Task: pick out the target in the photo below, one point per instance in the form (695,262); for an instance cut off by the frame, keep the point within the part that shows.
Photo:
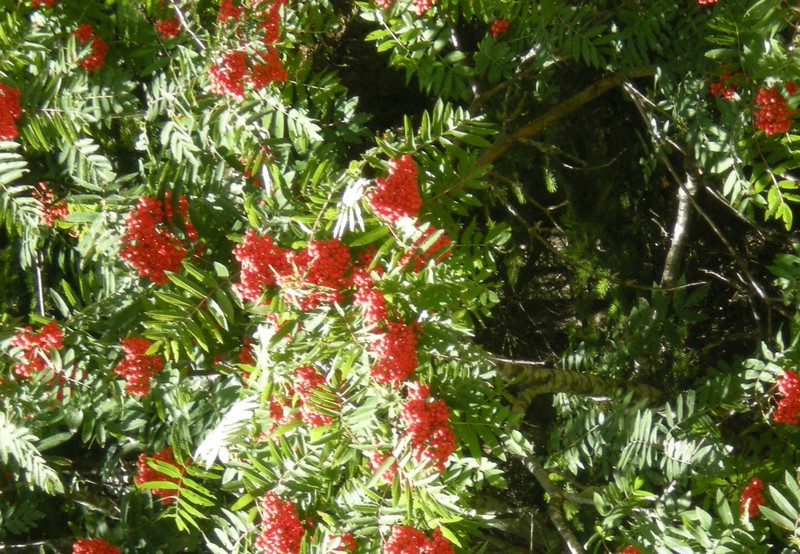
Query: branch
(535,380)
(484,96)
(562,110)
(755,287)
(680,233)
(186,27)
(554,505)
(52,545)
(38,282)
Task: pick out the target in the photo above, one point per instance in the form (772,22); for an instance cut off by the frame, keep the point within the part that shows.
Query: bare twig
(185,25)
(587,269)
(680,233)
(751,282)
(554,504)
(483,97)
(557,113)
(686,192)
(38,282)
(51,545)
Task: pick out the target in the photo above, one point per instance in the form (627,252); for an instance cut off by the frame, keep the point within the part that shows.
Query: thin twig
(557,113)
(476,103)
(589,270)
(754,286)
(185,25)
(38,282)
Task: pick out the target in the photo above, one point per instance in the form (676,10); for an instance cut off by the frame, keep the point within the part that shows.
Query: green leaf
(778,519)
(166,485)
(163,467)
(788,509)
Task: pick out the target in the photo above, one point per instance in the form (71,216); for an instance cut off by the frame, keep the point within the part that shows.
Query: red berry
(751,498)
(405,539)
(33,347)
(94,546)
(397,195)
(788,407)
(262,262)
(281,530)
(10,111)
(147,474)
(138,367)
(148,245)
(499,26)
(773,115)
(428,426)
(97,57)
(396,354)
(169,27)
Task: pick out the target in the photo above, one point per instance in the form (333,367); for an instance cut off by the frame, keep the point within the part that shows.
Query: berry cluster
(97,57)
(267,69)
(397,195)
(147,474)
(405,539)
(318,274)
(307,278)
(10,112)
(373,302)
(791,88)
(309,380)
(773,115)
(706,2)
(148,245)
(384,4)
(40,3)
(269,20)
(51,209)
(499,26)
(281,530)
(789,406)
(282,412)
(423,6)
(395,353)
(376,459)
(228,11)
(262,261)
(630,550)
(246,353)
(138,367)
(428,425)
(33,346)
(367,295)
(94,546)
(347,543)
(169,27)
(724,87)
(418,255)
(751,498)
(230,74)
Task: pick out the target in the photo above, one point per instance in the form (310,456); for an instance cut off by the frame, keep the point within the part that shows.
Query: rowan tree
(399,276)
